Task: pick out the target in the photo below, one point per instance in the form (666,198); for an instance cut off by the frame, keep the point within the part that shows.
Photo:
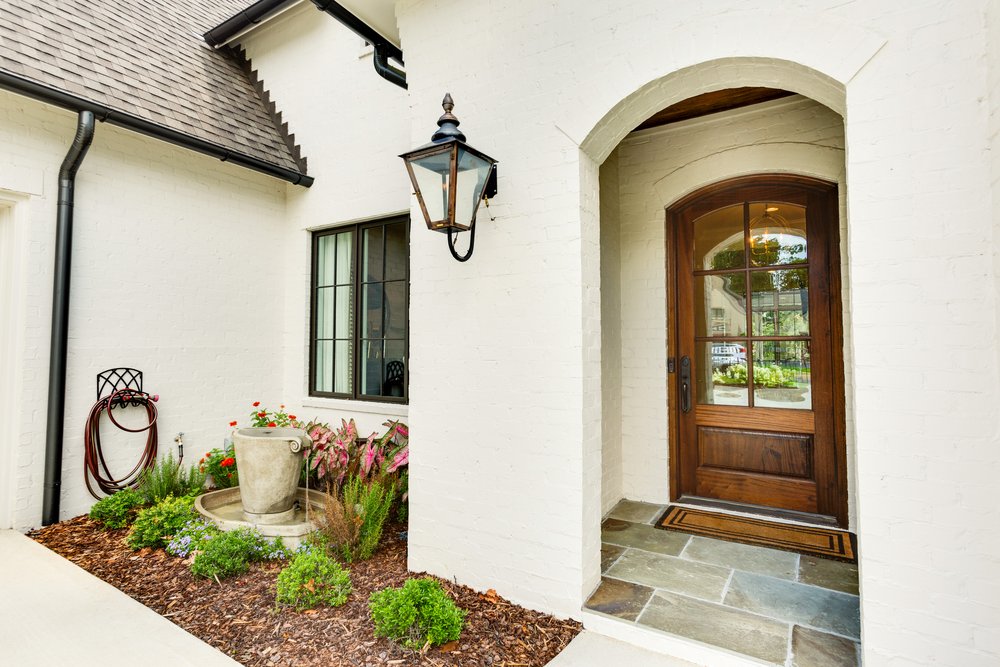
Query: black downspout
(384,49)
(387,71)
(60,316)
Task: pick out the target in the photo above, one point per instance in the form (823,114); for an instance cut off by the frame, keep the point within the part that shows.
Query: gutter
(60,316)
(263,9)
(59,98)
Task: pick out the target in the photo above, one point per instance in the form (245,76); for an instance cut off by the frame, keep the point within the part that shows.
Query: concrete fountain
(268,497)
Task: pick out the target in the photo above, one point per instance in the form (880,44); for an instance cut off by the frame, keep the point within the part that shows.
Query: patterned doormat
(825,542)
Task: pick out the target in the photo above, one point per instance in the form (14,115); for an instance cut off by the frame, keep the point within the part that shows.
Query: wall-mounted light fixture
(451,179)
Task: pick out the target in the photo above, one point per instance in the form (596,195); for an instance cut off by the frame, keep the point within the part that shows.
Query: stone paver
(750,634)
(639,536)
(796,603)
(631,510)
(609,554)
(746,557)
(673,574)
(619,598)
(812,648)
(836,575)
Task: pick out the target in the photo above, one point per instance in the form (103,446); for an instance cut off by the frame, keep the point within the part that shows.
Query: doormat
(825,542)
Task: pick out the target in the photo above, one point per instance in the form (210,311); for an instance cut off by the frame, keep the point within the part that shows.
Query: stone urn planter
(270,463)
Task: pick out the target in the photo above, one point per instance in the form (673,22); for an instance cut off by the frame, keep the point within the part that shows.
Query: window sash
(366,346)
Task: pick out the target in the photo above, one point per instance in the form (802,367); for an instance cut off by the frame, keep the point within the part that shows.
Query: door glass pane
(720,369)
(781,374)
(371,367)
(720,305)
(345,301)
(395,251)
(372,254)
(345,257)
(324,312)
(780,302)
(777,234)
(718,239)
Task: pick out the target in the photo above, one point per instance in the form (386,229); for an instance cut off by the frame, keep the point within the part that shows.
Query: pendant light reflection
(766,230)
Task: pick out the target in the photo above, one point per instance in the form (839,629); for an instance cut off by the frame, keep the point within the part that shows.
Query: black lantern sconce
(451,179)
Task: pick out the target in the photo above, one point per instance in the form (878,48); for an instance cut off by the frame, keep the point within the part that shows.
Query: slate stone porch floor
(780,607)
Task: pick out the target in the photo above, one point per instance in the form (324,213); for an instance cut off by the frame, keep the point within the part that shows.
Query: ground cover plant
(417,614)
(238,615)
(230,553)
(311,579)
(118,509)
(154,526)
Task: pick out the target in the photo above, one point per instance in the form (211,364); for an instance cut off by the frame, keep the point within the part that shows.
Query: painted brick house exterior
(537,372)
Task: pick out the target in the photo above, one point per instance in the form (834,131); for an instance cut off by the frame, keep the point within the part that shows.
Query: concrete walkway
(55,613)
(590,649)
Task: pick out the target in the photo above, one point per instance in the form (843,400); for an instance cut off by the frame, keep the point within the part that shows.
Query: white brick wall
(352,125)
(172,273)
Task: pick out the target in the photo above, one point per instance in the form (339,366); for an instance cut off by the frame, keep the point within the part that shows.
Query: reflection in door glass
(782,374)
(780,302)
(777,234)
(721,373)
(718,240)
(720,305)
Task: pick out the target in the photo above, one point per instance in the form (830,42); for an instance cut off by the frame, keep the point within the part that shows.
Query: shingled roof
(148,59)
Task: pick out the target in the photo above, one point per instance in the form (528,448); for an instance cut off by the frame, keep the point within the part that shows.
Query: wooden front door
(756,344)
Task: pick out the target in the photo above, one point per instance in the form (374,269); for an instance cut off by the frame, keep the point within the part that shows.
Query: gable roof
(148,60)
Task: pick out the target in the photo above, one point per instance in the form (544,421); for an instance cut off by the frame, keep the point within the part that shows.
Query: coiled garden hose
(94,465)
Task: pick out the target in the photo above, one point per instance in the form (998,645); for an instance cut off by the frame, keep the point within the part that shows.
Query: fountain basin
(225,509)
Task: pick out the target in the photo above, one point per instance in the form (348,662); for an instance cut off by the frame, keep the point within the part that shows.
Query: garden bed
(238,616)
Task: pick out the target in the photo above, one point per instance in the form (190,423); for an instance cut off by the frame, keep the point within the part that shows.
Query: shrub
(221,465)
(354,524)
(167,478)
(232,552)
(192,537)
(313,578)
(156,524)
(417,614)
(117,510)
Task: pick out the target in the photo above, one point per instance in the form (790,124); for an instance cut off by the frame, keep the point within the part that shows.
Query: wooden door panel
(757,489)
(784,454)
(769,433)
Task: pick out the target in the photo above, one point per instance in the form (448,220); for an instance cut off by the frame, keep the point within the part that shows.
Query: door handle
(685,382)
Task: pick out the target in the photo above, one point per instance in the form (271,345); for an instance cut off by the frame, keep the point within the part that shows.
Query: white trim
(357,407)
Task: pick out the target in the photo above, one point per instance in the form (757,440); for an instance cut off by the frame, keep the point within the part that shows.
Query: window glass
(360,317)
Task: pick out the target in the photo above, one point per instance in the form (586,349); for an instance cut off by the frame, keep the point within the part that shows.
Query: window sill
(357,407)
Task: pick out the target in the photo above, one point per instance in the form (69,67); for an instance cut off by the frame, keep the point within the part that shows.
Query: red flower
(292,417)
(256,403)
(261,414)
(271,424)
(232,423)
(225,463)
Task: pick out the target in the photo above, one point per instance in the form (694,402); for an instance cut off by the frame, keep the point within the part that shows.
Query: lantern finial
(448,123)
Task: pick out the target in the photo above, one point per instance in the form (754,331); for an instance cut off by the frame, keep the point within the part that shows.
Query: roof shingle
(148,59)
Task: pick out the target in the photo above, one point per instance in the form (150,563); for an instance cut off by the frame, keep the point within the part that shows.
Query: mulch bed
(239,616)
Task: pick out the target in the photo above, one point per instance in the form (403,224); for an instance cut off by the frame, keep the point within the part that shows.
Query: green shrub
(193,537)
(232,552)
(167,478)
(370,504)
(417,614)
(221,465)
(117,510)
(156,524)
(313,578)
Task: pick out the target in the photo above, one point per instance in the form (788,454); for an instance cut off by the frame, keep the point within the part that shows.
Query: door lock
(685,383)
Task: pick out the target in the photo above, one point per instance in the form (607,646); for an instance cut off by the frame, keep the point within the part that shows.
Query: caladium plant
(339,454)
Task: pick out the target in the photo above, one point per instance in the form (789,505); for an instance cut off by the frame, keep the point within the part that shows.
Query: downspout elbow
(385,69)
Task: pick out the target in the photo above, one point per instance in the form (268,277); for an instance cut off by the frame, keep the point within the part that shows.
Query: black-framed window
(360,311)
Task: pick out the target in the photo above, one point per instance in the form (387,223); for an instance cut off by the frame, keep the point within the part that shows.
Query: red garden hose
(93,455)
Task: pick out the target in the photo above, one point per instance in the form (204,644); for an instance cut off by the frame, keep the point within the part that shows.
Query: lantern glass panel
(431,174)
(473,171)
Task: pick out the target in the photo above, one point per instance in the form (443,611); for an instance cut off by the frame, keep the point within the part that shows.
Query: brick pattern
(147,59)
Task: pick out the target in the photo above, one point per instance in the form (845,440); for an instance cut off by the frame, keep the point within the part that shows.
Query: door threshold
(758,511)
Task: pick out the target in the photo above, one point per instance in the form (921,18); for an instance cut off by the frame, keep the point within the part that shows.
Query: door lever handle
(685,384)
